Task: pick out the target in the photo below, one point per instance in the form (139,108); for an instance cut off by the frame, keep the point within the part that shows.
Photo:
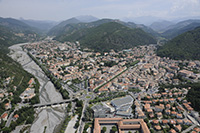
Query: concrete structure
(119,103)
(122,124)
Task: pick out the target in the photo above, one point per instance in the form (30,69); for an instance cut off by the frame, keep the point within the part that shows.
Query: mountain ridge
(107,36)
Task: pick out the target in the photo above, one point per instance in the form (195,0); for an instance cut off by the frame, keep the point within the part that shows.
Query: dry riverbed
(48,118)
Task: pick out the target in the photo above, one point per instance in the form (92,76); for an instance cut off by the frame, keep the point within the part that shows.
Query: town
(125,84)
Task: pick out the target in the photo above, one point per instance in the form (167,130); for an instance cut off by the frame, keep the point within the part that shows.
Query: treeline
(56,83)
(79,108)
(67,118)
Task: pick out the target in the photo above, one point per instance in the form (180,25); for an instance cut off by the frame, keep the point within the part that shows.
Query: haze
(117,9)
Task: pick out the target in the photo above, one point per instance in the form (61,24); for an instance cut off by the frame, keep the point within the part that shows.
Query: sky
(58,10)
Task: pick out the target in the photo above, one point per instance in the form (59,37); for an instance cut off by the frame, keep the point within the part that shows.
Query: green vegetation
(26,115)
(194,96)
(12,32)
(184,46)
(88,114)
(104,129)
(109,97)
(114,129)
(67,119)
(10,68)
(108,36)
(87,125)
(181,28)
(134,90)
(79,108)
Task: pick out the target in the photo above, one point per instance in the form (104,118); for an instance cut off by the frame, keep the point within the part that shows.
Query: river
(48,118)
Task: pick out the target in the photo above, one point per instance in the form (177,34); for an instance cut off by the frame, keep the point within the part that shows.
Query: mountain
(72,27)
(160,25)
(43,26)
(146,20)
(179,28)
(56,29)
(13,31)
(143,27)
(184,46)
(107,36)
(86,18)
(16,25)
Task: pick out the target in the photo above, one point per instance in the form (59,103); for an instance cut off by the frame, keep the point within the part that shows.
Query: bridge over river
(53,103)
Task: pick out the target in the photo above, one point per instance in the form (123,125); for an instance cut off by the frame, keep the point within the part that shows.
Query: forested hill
(13,31)
(184,46)
(72,25)
(109,36)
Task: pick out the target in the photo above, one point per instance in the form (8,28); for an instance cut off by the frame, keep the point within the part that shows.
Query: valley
(95,75)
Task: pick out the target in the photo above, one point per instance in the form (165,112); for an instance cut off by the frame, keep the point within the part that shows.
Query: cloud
(64,9)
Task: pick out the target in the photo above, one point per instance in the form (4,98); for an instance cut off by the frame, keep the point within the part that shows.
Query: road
(70,126)
(9,119)
(188,129)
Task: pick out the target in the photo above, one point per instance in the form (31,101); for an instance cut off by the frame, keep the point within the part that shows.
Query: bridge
(53,103)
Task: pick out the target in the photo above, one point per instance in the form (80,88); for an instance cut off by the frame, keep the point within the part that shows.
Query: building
(119,103)
(122,124)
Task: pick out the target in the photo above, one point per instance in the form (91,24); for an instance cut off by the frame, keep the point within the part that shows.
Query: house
(7,106)
(187,122)
(157,127)
(151,115)
(158,108)
(159,114)
(5,116)
(172,131)
(172,100)
(179,116)
(173,122)
(173,113)
(168,106)
(164,122)
(179,121)
(155,122)
(185,73)
(197,129)
(15,117)
(178,128)
(168,112)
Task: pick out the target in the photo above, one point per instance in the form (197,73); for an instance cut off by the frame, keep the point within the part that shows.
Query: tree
(104,129)
(146,120)
(114,129)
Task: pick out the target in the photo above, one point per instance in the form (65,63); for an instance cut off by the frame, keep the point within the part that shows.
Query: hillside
(17,26)
(58,28)
(184,46)
(160,26)
(69,28)
(13,31)
(43,26)
(109,36)
(179,28)
(9,37)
